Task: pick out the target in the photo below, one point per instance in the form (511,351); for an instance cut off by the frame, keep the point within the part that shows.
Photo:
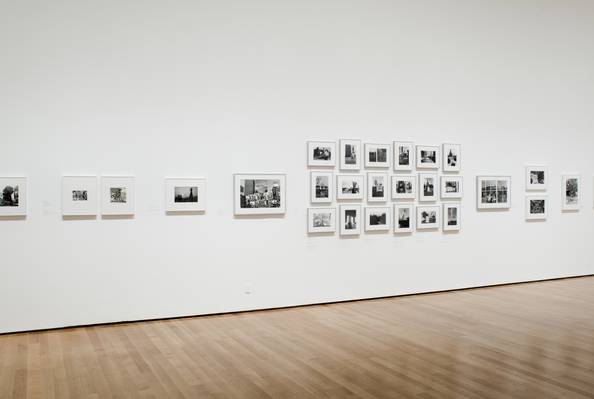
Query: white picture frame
(79,195)
(452,217)
(428,217)
(537,207)
(452,157)
(452,187)
(350,187)
(403,155)
(377,187)
(117,195)
(350,220)
(427,157)
(537,177)
(260,194)
(378,218)
(404,218)
(321,220)
(321,153)
(571,192)
(493,192)
(13,196)
(404,187)
(377,155)
(185,194)
(428,187)
(321,187)
(350,154)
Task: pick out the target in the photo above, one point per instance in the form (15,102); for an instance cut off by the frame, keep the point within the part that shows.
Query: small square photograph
(14,196)
(451,157)
(536,178)
(185,194)
(350,154)
(321,153)
(536,207)
(403,218)
(377,218)
(350,220)
(320,187)
(377,155)
(321,220)
(377,190)
(404,187)
(451,187)
(79,196)
(493,192)
(571,192)
(117,194)
(427,157)
(427,187)
(451,217)
(403,156)
(428,217)
(350,187)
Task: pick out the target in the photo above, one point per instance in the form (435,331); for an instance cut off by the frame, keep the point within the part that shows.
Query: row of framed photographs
(404,154)
(400,218)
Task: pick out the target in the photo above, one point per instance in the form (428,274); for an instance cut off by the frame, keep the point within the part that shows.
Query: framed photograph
(403,218)
(321,153)
(536,178)
(404,187)
(427,157)
(428,187)
(377,187)
(451,187)
(537,207)
(350,220)
(571,192)
(350,187)
(320,187)
(451,154)
(377,218)
(452,217)
(493,192)
(260,194)
(350,154)
(185,194)
(79,195)
(117,195)
(13,201)
(377,155)
(403,155)
(427,217)
(321,220)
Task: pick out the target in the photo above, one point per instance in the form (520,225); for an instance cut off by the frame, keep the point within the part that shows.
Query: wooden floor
(521,341)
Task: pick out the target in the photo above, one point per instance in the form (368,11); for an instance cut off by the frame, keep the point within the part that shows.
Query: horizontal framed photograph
(79,195)
(260,194)
(403,218)
(537,207)
(350,187)
(493,192)
(404,187)
(321,153)
(451,154)
(320,187)
(427,157)
(377,155)
(452,217)
(350,154)
(377,218)
(428,217)
(321,220)
(571,192)
(117,195)
(536,178)
(403,155)
(451,187)
(350,220)
(427,187)
(185,194)
(377,190)
(13,201)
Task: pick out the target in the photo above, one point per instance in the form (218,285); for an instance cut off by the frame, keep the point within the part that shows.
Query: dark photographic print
(404,187)
(493,192)
(377,187)
(350,154)
(377,217)
(350,219)
(403,156)
(537,206)
(322,187)
(428,187)
(427,157)
(186,194)
(428,216)
(118,195)
(404,218)
(452,216)
(322,153)
(256,193)
(377,155)
(572,191)
(13,196)
(452,187)
(537,177)
(451,157)
(10,196)
(80,195)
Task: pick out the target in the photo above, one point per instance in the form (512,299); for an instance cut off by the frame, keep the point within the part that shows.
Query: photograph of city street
(256,193)
(10,196)
(118,195)
(186,194)
(428,157)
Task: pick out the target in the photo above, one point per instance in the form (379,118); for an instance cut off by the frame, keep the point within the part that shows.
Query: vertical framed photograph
(536,178)
(321,153)
(427,187)
(350,187)
(13,201)
(404,187)
(350,220)
(451,187)
(403,155)
(428,217)
(493,192)
(377,218)
(571,192)
(452,217)
(451,155)
(537,207)
(185,194)
(117,195)
(427,157)
(377,155)
(350,154)
(260,194)
(377,190)
(79,195)
(320,187)
(403,218)
(321,220)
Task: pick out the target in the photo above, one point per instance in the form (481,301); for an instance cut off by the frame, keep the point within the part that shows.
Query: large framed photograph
(260,194)
(350,154)
(404,187)
(321,220)
(403,155)
(493,192)
(452,217)
(377,187)
(185,194)
(427,157)
(428,187)
(536,178)
(350,220)
(377,155)
(428,217)
(403,218)
(451,187)
(451,154)
(79,195)
(571,192)
(350,187)
(537,207)
(13,201)
(377,218)
(320,187)
(117,195)
(321,153)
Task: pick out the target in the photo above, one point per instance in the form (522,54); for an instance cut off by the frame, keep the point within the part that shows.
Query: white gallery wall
(211,88)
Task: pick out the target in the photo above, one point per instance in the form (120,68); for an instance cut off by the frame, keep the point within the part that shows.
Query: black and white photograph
(403,218)
(377,218)
(350,154)
(10,196)
(321,220)
(428,217)
(320,187)
(428,187)
(13,196)
(404,187)
(260,194)
(321,153)
(377,190)
(493,192)
(451,217)
(350,187)
(427,157)
(536,207)
(79,196)
(451,155)
(403,155)
(536,178)
(571,192)
(350,220)
(451,187)
(377,155)
(117,194)
(185,194)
